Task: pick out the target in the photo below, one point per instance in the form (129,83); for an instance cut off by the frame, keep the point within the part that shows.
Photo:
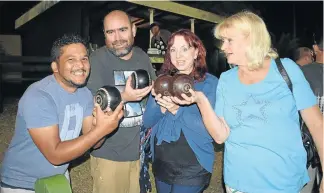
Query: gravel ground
(80,168)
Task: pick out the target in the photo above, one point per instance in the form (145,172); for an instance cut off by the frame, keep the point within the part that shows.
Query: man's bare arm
(48,141)
(88,124)
(58,152)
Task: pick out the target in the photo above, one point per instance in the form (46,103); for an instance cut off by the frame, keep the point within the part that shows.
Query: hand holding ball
(182,83)
(163,85)
(168,85)
(140,79)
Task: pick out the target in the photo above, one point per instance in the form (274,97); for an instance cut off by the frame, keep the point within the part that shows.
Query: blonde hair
(251,26)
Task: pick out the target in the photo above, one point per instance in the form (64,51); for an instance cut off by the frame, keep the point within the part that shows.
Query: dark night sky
(277,15)
(279,18)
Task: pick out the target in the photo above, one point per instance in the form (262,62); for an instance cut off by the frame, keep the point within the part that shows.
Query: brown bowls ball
(168,85)
(181,84)
(163,85)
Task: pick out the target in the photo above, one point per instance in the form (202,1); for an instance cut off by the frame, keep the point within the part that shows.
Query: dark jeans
(162,187)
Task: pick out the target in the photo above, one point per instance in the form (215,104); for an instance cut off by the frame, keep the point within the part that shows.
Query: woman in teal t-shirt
(256,114)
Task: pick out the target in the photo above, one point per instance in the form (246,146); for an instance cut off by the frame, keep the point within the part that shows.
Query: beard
(74,84)
(120,52)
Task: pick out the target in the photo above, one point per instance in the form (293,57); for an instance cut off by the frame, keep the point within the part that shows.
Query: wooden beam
(34,12)
(97,15)
(138,21)
(143,25)
(180,9)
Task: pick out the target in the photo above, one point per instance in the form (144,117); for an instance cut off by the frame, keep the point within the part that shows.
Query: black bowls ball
(140,79)
(108,97)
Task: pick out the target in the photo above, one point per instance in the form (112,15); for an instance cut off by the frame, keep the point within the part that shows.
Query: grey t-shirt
(314,75)
(107,69)
(43,104)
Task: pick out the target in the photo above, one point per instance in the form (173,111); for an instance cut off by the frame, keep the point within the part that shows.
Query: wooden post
(180,9)
(192,27)
(151,21)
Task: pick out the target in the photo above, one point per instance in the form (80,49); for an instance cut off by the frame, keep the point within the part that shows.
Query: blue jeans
(162,187)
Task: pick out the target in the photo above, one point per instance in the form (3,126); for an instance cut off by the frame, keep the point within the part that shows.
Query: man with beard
(51,114)
(115,166)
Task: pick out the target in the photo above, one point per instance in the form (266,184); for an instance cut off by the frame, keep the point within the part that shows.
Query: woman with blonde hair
(256,114)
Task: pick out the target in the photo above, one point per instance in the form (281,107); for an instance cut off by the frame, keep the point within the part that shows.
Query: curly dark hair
(65,40)
(200,67)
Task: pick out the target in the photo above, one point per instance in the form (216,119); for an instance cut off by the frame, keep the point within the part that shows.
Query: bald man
(115,166)
(303,56)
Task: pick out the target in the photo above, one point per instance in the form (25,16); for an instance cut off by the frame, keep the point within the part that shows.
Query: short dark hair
(153,25)
(301,52)
(65,40)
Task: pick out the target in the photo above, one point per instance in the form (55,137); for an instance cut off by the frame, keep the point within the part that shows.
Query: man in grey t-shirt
(314,74)
(314,71)
(115,165)
(51,114)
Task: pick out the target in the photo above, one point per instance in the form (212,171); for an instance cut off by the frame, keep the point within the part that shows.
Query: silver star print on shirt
(251,109)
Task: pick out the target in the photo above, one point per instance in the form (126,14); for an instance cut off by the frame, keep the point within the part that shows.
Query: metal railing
(21,70)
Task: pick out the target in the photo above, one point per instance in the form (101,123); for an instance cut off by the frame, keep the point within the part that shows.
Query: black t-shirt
(176,163)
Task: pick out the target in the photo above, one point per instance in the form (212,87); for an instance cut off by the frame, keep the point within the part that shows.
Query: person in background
(303,56)
(160,37)
(314,74)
